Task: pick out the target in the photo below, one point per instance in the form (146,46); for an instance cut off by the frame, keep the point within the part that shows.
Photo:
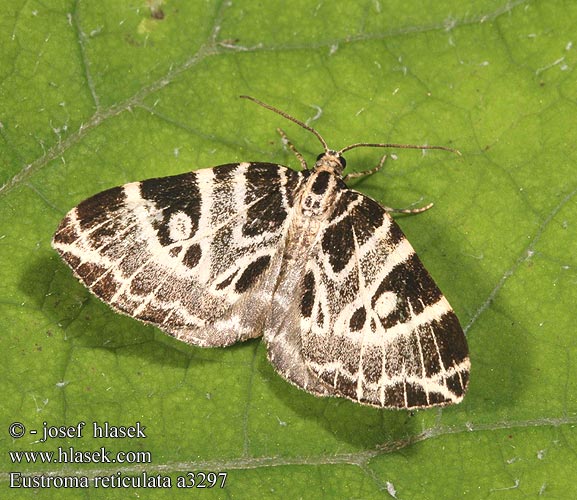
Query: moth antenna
(289,117)
(392,145)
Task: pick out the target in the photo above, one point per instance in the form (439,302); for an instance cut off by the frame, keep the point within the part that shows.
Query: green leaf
(97,94)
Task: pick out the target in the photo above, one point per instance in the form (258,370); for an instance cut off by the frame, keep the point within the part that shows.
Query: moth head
(331,160)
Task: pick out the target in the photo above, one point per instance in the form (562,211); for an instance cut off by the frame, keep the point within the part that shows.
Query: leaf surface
(97,94)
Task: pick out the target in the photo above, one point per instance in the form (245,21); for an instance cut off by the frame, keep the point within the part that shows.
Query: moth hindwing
(225,254)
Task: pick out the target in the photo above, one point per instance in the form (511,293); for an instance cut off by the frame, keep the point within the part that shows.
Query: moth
(225,254)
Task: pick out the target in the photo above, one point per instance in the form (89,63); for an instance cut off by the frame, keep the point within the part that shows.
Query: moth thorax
(320,193)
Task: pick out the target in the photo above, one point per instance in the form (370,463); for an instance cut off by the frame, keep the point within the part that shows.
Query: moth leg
(409,210)
(286,141)
(354,175)
(364,173)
